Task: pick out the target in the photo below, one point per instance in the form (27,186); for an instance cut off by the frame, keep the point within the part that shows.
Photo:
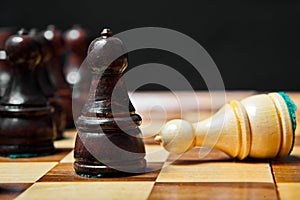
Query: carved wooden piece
(5,72)
(26,126)
(108,139)
(55,69)
(259,127)
(76,44)
(50,91)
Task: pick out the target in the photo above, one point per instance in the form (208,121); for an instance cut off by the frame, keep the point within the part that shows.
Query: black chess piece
(51,92)
(76,45)
(26,126)
(109,141)
(55,69)
(5,72)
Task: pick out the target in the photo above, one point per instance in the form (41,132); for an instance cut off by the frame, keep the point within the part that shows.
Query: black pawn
(76,45)
(59,116)
(109,141)
(5,75)
(26,126)
(55,69)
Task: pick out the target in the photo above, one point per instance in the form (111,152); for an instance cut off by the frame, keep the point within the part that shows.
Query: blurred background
(255,44)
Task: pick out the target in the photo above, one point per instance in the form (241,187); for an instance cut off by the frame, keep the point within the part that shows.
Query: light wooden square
(296,151)
(68,141)
(156,153)
(289,190)
(217,172)
(68,158)
(88,190)
(25,172)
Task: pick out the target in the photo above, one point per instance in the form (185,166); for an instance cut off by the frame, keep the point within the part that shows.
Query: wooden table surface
(201,173)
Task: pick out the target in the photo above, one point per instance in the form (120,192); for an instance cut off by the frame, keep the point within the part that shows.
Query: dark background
(255,44)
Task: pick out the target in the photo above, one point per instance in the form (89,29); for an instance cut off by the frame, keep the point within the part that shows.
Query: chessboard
(198,174)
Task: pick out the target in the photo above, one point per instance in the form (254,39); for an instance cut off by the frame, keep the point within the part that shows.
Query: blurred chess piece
(76,44)
(5,71)
(26,126)
(109,140)
(260,126)
(50,91)
(55,69)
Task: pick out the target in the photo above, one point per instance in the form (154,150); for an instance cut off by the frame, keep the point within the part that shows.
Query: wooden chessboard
(191,176)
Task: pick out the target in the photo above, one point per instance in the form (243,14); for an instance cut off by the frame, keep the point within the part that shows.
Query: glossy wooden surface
(47,86)
(55,71)
(108,140)
(5,72)
(259,126)
(198,174)
(26,124)
(76,45)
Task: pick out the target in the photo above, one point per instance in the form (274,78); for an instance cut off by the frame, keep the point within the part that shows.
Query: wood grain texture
(65,172)
(58,155)
(108,140)
(258,126)
(12,190)
(88,190)
(287,170)
(201,173)
(289,191)
(217,172)
(29,172)
(218,190)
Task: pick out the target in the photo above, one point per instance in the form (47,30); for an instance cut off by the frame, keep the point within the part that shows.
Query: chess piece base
(100,154)
(26,132)
(89,170)
(26,151)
